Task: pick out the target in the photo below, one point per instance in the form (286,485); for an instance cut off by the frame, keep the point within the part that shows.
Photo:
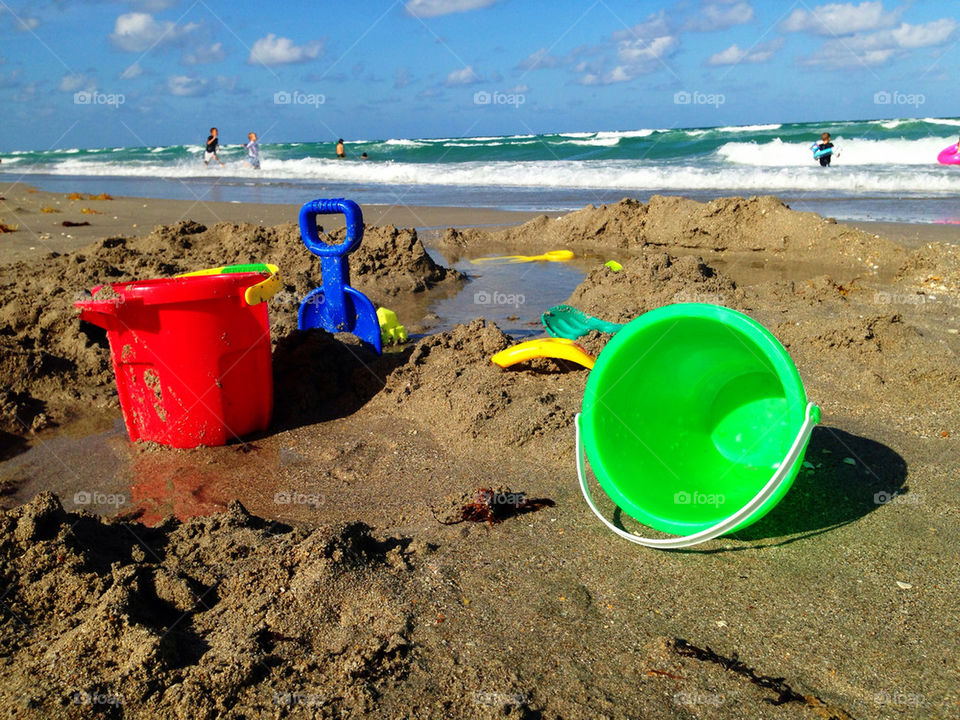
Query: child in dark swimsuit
(213,142)
(825,144)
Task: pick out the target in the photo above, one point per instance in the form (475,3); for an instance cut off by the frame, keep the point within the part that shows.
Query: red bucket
(191,357)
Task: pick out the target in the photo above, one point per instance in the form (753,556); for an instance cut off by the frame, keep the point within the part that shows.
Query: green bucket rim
(750,330)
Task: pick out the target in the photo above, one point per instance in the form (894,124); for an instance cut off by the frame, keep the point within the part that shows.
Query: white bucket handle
(783,472)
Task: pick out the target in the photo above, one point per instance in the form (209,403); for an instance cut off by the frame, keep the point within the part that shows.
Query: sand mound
(48,358)
(933,270)
(737,224)
(449,383)
(218,614)
(319,376)
(855,361)
(649,281)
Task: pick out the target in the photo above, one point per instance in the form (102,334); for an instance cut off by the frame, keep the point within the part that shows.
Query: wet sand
(841,603)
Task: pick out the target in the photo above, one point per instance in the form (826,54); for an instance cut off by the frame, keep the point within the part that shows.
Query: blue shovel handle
(308,226)
(333,258)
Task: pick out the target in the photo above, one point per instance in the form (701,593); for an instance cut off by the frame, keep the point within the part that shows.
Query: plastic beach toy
(391,331)
(559,348)
(949,155)
(695,422)
(337,307)
(255,293)
(818,153)
(565,321)
(549,256)
(191,356)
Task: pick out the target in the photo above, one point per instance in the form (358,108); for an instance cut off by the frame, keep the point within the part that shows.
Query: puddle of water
(513,295)
(82,468)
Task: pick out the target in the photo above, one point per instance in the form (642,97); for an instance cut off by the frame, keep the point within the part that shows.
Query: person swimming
(340,151)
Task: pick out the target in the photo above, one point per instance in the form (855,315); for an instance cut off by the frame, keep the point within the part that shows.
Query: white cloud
(139,32)
(640,49)
(204,55)
(842,18)
(185,86)
(539,60)
(77,81)
(402,78)
(880,47)
(655,25)
(735,55)
(10,80)
(434,8)
(640,53)
(24,24)
(153,5)
(927,35)
(227,82)
(466,76)
(273,50)
(720,15)
(132,71)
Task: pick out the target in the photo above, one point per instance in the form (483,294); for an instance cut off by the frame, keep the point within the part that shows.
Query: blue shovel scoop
(337,307)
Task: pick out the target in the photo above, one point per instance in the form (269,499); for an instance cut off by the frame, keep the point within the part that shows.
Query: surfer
(825,144)
(213,143)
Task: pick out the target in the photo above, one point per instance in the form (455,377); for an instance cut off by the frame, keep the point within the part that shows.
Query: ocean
(885,169)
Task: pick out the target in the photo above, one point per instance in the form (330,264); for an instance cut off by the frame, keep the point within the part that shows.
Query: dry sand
(343,587)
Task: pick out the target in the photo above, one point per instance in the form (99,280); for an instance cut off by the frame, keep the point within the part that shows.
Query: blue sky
(157,72)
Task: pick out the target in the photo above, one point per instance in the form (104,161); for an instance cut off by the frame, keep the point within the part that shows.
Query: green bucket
(695,422)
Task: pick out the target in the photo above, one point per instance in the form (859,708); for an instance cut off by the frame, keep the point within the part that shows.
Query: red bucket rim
(191,288)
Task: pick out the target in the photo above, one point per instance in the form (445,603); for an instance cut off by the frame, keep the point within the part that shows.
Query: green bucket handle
(811,420)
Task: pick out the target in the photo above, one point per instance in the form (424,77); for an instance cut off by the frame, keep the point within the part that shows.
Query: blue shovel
(337,307)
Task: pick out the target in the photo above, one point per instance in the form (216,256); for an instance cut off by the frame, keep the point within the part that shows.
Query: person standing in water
(340,152)
(213,142)
(253,151)
(825,144)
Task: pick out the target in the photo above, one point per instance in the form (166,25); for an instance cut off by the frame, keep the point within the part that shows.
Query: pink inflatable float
(949,155)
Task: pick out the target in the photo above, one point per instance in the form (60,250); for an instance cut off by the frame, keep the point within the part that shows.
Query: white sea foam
(749,128)
(618,174)
(942,121)
(853,152)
